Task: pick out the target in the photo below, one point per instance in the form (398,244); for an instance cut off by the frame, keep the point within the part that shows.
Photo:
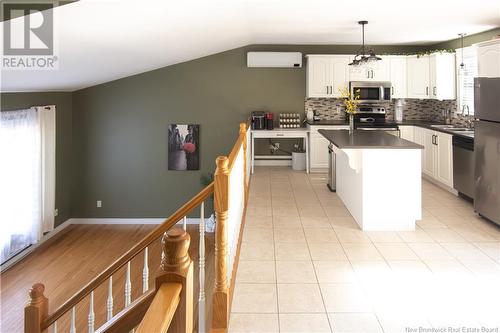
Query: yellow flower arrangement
(350,102)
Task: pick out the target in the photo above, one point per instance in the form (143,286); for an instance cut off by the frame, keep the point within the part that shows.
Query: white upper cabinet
(379,71)
(425,77)
(431,76)
(442,84)
(318,76)
(398,76)
(488,57)
(326,74)
(340,77)
(417,71)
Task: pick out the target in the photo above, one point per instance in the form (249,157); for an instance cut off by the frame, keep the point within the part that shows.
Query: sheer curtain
(27,177)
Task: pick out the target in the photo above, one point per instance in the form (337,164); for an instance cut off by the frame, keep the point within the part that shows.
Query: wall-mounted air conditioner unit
(274,59)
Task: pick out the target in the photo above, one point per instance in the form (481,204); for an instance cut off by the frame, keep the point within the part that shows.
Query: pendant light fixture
(364,57)
(462,64)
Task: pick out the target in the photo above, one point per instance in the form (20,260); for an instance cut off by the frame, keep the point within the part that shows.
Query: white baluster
(145,272)
(201,298)
(128,286)
(54,327)
(91,313)
(109,303)
(72,326)
(184,223)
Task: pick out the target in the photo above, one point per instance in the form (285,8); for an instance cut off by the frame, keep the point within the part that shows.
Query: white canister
(310,115)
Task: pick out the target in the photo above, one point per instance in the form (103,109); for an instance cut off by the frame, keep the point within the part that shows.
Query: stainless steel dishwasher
(332,180)
(463,165)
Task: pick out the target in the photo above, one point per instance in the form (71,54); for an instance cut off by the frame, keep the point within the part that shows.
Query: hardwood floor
(76,256)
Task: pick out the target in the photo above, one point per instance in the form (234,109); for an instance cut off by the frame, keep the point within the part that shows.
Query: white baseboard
(32,247)
(439,184)
(190,220)
(273,162)
(65,224)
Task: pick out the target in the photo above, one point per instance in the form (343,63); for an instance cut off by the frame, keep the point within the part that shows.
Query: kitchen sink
(453,128)
(443,126)
(459,129)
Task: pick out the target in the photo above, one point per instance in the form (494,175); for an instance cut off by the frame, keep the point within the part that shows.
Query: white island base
(381,188)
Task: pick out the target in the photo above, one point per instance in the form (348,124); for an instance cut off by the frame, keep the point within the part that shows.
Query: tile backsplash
(413,109)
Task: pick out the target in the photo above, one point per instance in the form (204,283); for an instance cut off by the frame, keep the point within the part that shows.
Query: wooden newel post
(177,266)
(243,135)
(220,309)
(36,310)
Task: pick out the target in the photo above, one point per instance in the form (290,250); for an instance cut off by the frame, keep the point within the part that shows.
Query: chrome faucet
(463,110)
(447,116)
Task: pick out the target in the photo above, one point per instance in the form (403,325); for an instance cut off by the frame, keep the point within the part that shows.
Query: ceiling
(103,40)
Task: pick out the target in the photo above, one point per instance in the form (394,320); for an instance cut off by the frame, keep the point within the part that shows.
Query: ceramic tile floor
(305,265)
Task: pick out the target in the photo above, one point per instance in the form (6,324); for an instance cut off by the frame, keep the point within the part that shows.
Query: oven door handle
(378,128)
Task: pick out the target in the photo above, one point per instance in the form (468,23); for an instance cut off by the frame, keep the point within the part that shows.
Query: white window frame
(469,52)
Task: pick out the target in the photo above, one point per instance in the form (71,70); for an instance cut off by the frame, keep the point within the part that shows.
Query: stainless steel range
(372,118)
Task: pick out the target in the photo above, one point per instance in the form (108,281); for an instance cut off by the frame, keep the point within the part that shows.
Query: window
(465,78)
(27,177)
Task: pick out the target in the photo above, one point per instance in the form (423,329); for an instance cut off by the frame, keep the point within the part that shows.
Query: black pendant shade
(364,57)
(462,35)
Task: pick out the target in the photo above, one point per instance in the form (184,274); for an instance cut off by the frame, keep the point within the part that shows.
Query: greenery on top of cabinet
(421,53)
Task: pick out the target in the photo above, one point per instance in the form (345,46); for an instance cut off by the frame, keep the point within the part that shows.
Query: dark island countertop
(366,140)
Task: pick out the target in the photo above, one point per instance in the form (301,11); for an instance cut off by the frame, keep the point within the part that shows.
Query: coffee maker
(258,120)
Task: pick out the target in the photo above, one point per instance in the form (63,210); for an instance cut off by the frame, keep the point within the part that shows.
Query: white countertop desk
(294,133)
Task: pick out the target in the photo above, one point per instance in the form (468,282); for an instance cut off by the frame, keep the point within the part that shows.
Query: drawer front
(279,134)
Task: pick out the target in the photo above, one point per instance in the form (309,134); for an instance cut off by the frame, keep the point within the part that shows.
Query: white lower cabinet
(444,158)
(318,146)
(318,151)
(437,155)
(407,133)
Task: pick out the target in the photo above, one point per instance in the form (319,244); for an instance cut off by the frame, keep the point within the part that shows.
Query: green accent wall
(64,140)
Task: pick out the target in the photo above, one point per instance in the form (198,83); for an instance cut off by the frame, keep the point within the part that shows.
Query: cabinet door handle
(437,142)
(434,91)
(331,90)
(392,90)
(427,91)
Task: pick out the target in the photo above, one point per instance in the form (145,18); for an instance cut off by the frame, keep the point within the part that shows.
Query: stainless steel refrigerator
(487,148)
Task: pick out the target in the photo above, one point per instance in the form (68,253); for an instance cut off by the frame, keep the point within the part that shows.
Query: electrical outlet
(99,203)
(56,212)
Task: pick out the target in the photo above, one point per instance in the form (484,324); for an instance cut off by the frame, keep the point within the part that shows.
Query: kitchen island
(378,178)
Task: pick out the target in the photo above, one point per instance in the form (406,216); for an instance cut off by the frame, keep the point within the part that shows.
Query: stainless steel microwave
(371,91)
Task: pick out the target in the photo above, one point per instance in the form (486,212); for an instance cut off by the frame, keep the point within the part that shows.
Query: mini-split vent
(274,59)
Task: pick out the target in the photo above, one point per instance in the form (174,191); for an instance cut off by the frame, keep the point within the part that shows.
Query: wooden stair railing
(36,316)
(169,304)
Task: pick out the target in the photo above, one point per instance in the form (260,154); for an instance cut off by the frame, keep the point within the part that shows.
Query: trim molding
(439,184)
(190,220)
(18,257)
(272,162)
